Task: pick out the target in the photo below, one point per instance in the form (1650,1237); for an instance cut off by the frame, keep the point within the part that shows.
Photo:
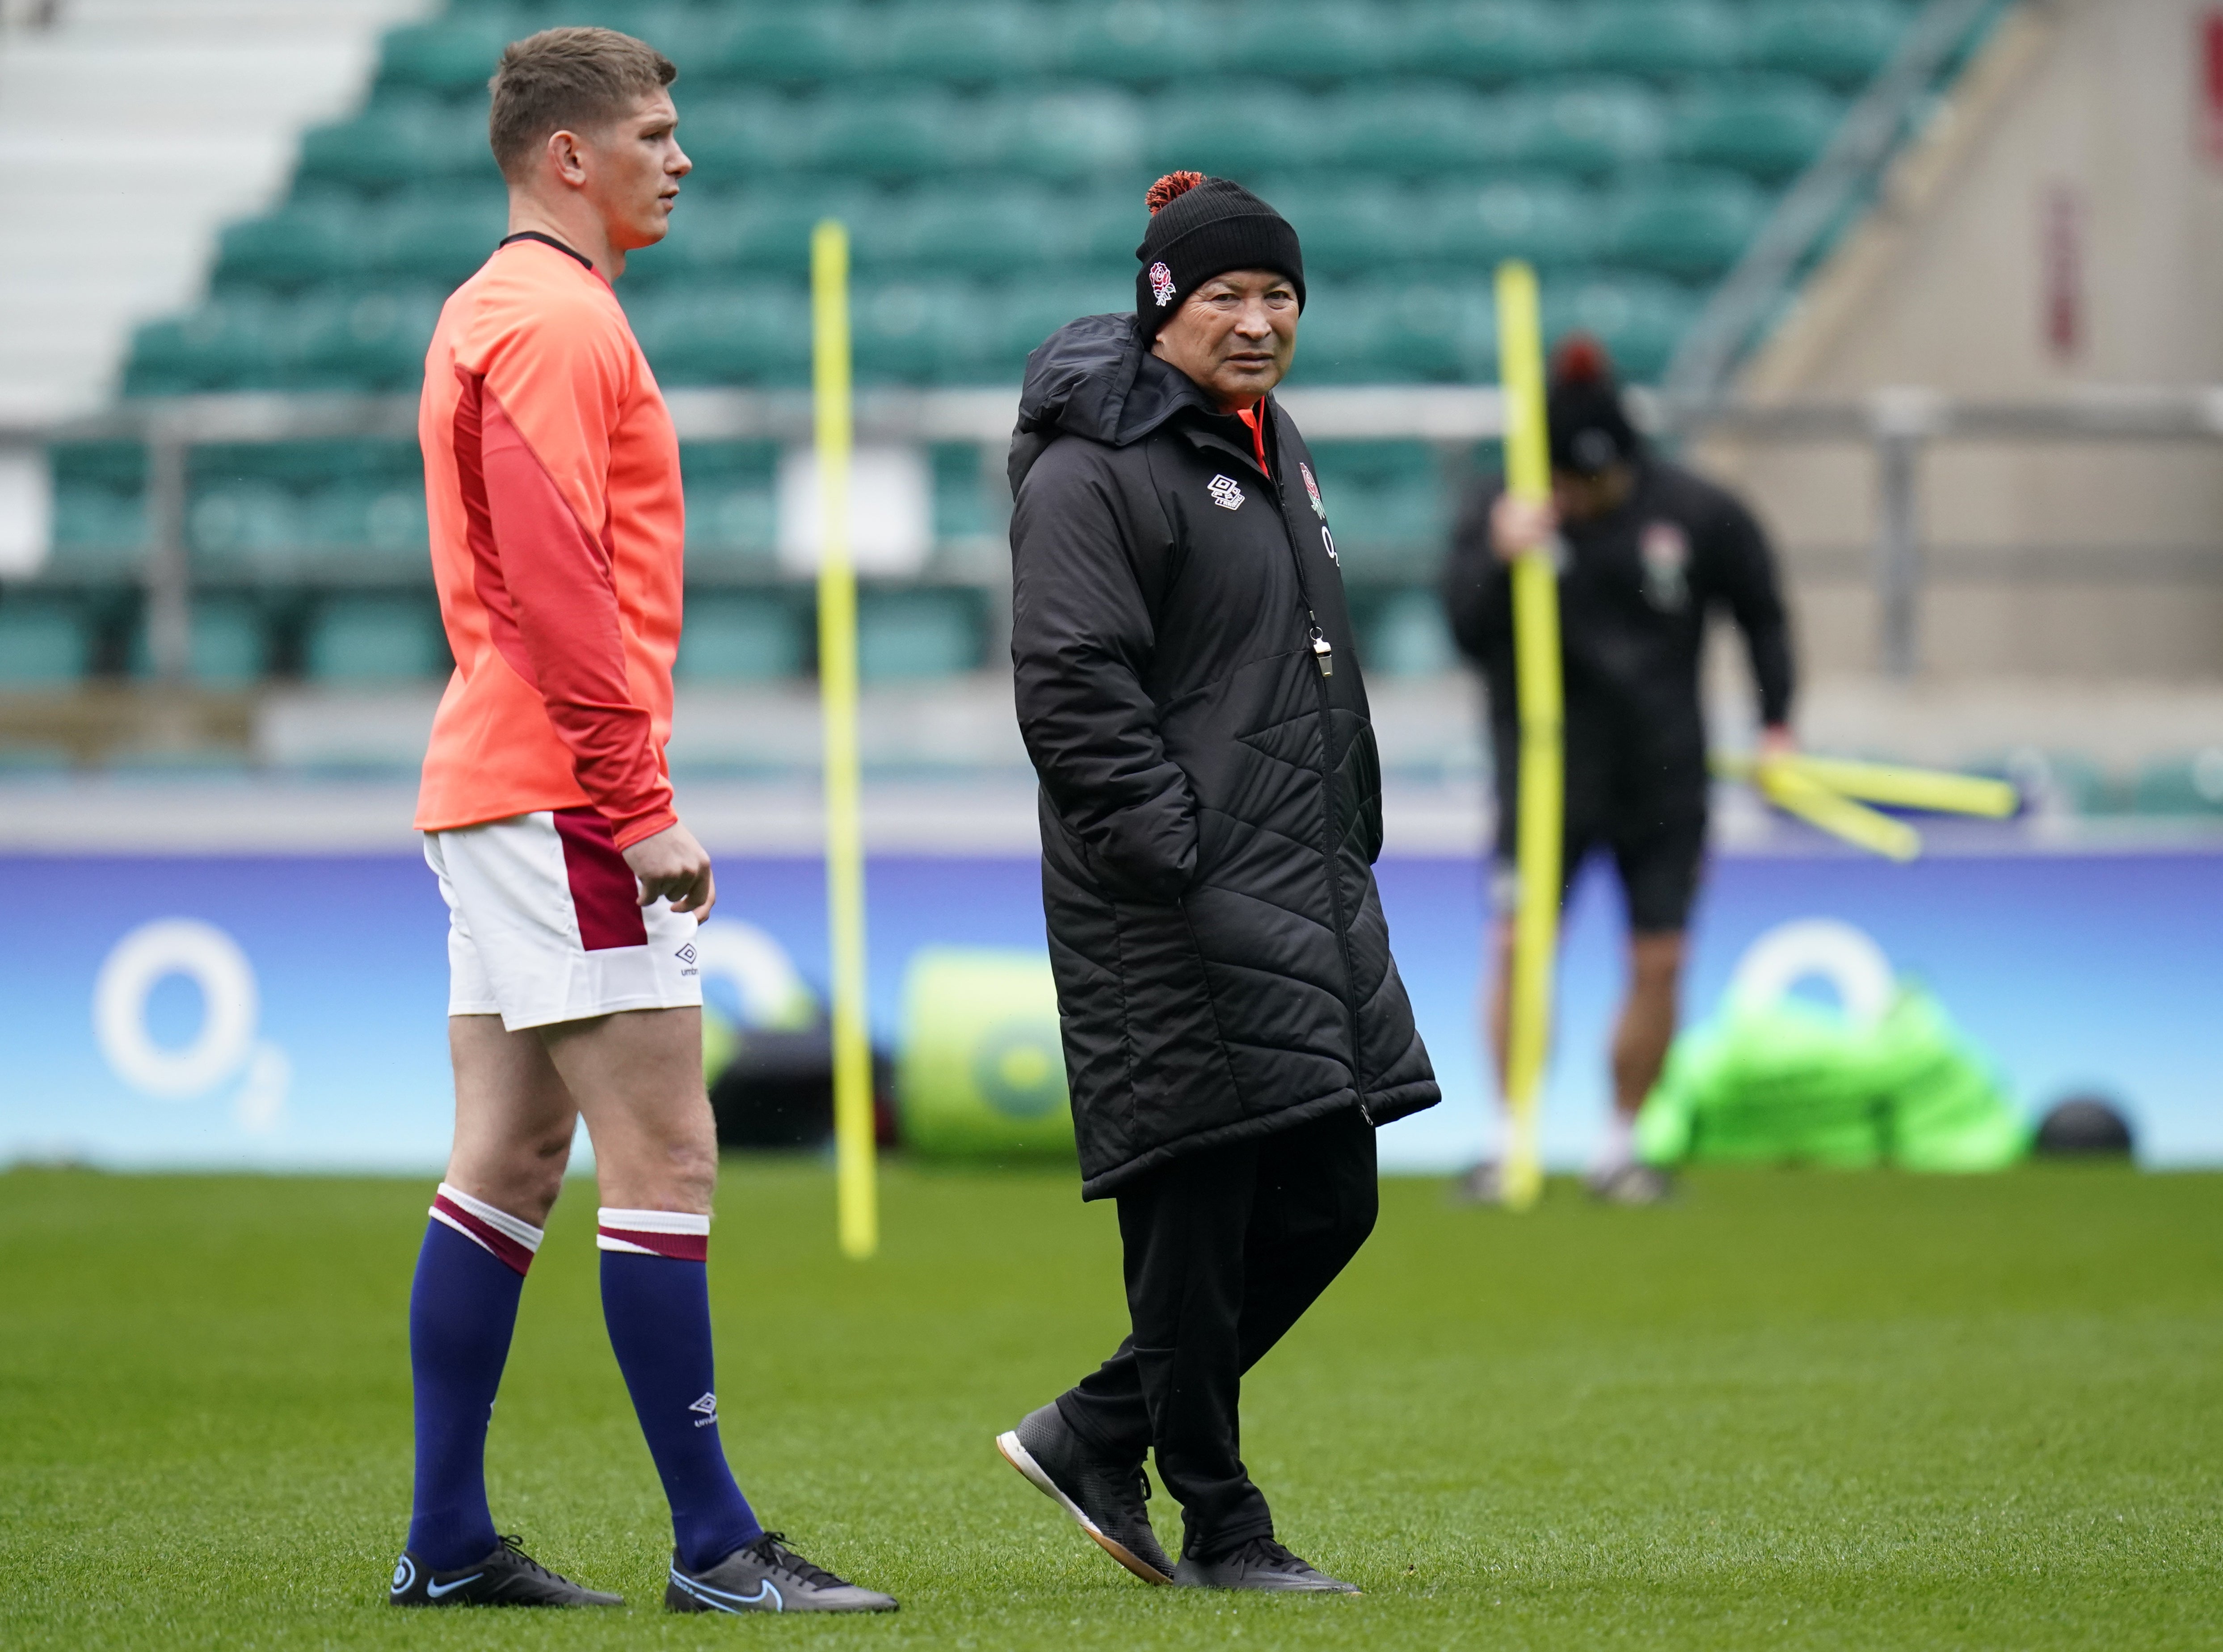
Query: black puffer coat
(1210,802)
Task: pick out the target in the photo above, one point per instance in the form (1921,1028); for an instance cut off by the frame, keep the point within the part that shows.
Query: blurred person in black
(1647,551)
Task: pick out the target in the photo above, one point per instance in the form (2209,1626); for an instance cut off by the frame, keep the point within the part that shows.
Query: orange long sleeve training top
(552,478)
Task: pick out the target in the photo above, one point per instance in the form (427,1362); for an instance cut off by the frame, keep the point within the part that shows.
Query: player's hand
(1519,526)
(672,866)
(1776,740)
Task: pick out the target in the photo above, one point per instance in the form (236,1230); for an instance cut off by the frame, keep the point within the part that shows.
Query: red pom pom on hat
(1581,359)
(1170,187)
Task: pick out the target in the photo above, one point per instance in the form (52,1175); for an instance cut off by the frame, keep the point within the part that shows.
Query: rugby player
(551,473)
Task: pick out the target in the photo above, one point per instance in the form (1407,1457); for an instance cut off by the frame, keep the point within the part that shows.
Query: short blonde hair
(567,79)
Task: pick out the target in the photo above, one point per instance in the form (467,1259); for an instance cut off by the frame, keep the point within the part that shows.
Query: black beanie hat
(1202,227)
(1590,429)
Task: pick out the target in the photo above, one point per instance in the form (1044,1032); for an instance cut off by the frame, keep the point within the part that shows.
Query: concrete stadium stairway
(131,132)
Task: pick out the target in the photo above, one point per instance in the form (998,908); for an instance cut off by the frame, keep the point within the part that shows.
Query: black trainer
(507,1577)
(1261,1563)
(1634,1182)
(767,1576)
(1110,1500)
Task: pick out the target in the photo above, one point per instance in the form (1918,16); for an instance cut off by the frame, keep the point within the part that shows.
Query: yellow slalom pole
(857,1198)
(1932,789)
(1791,787)
(1536,667)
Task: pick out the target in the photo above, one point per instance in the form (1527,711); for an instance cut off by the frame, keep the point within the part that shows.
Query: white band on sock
(611,1222)
(501,1221)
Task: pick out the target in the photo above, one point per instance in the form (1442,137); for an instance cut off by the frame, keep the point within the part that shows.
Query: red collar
(1249,417)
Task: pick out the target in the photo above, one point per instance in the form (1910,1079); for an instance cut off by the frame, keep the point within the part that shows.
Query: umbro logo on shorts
(686,954)
(1225,493)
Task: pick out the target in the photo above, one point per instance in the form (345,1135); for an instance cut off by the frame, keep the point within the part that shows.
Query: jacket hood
(1096,377)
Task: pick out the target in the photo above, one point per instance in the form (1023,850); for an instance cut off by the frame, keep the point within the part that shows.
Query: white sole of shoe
(1021,1458)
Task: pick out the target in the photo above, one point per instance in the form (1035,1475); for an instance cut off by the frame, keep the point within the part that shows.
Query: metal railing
(1899,425)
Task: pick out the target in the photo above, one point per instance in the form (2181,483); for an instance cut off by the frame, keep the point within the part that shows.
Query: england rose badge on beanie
(1202,227)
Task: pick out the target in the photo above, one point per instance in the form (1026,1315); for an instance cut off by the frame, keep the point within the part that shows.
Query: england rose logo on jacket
(1161,284)
(1311,489)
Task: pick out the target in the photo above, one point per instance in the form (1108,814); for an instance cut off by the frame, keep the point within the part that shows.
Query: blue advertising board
(287,1011)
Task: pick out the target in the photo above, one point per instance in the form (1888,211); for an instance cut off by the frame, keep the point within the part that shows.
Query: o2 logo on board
(223,1047)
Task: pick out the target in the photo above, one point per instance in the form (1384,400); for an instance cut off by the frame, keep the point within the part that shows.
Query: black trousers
(1225,1249)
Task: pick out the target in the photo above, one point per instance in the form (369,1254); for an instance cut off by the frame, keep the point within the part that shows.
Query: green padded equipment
(372,639)
(1068,133)
(1770,127)
(1550,221)
(739,637)
(2181,786)
(1584,127)
(1661,39)
(1311,40)
(1691,226)
(1491,41)
(449,58)
(44,644)
(1233,130)
(980,1068)
(1121,40)
(1842,42)
(1789,1083)
(1409,637)
(784,46)
(1413,128)
(929,632)
(959,39)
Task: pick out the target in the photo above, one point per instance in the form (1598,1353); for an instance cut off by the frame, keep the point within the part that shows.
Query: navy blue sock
(656,1300)
(462,1311)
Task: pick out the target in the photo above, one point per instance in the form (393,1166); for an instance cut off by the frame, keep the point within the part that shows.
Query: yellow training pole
(1536,667)
(856,1197)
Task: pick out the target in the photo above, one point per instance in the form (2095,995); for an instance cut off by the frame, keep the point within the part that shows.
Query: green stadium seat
(1028,312)
(380,522)
(399,141)
(917,633)
(732,511)
(1770,128)
(1584,126)
(1489,41)
(1638,318)
(962,508)
(450,57)
(1548,221)
(228,645)
(912,134)
(375,341)
(438,244)
(297,246)
(923,332)
(44,643)
(97,531)
(1688,225)
(1356,226)
(1064,132)
(791,46)
(1408,636)
(1310,39)
(238,342)
(1436,331)
(1233,130)
(244,525)
(1122,39)
(1413,128)
(757,333)
(1334,337)
(735,141)
(960,40)
(2181,786)
(739,637)
(1107,224)
(1661,39)
(967,232)
(1842,42)
(373,640)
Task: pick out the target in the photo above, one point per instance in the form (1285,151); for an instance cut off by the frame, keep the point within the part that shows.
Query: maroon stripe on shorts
(678,1247)
(604,891)
(504,1247)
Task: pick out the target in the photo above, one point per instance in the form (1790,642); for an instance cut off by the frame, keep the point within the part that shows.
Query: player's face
(1235,336)
(636,164)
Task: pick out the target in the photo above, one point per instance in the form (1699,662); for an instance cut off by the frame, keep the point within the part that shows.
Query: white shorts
(544,924)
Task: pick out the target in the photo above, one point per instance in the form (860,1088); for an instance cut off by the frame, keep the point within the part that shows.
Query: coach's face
(1235,336)
(634,165)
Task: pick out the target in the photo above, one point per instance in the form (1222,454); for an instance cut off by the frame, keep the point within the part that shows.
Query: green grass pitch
(1788,1411)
